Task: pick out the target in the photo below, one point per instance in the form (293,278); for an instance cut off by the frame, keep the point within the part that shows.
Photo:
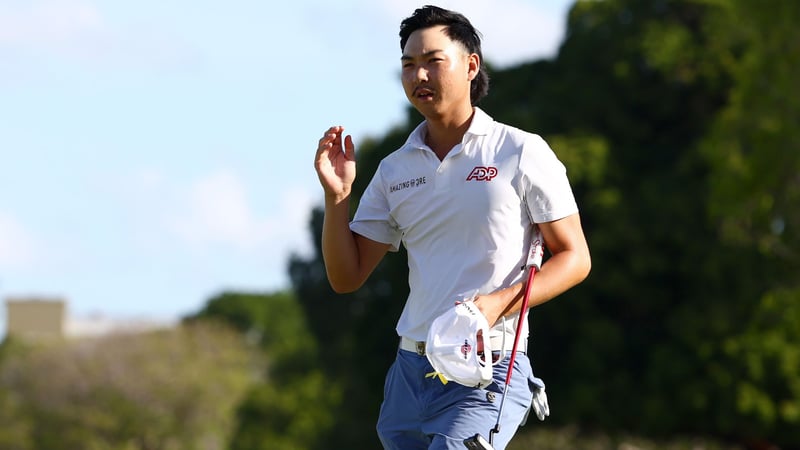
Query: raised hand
(336,162)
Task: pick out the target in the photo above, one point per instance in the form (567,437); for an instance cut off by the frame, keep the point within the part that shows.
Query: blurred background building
(35,318)
(48,318)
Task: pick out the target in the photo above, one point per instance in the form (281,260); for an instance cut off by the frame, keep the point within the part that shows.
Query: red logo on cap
(466,348)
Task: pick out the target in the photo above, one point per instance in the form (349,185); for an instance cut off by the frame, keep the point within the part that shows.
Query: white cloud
(18,246)
(217,210)
(48,22)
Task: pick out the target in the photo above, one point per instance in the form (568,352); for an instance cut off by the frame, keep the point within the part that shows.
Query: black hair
(457,28)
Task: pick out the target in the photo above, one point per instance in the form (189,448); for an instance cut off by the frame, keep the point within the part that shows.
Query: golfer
(461,195)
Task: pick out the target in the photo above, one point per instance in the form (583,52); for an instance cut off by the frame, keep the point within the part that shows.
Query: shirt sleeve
(546,189)
(373,217)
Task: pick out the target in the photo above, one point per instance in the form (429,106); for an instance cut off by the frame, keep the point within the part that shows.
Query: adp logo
(480,173)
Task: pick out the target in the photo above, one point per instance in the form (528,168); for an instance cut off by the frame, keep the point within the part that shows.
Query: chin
(428,108)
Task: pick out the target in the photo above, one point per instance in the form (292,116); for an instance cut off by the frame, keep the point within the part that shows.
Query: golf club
(534,263)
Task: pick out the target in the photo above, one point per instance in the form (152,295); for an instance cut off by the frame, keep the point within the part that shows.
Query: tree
(17,427)
(754,192)
(169,389)
(293,406)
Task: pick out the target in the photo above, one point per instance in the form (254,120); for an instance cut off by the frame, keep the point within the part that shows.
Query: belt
(418,347)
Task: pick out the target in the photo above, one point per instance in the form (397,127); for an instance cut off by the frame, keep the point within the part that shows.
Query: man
(461,195)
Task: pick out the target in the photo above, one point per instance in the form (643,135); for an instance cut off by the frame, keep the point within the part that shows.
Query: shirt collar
(481,123)
(480,126)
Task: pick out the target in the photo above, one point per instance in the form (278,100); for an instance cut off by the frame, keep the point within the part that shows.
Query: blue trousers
(422,413)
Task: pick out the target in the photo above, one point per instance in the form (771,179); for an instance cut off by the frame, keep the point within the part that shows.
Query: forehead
(427,40)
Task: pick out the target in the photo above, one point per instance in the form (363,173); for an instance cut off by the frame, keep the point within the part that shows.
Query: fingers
(329,139)
(332,139)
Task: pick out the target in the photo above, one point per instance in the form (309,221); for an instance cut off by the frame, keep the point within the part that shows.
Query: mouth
(423,93)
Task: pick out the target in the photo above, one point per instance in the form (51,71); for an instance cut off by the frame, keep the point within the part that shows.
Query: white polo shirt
(465,221)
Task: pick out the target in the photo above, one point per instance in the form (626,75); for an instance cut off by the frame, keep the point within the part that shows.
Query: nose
(421,74)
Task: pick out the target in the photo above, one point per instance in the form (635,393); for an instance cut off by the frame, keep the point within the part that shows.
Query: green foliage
(571,437)
(275,322)
(586,157)
(170,389)
(768,357)
(16,427)
(293,407)
(287,416)
(753,147)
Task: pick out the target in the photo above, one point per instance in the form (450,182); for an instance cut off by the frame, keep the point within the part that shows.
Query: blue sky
(154,154)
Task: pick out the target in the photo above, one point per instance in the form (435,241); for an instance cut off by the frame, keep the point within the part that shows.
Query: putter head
(477,442)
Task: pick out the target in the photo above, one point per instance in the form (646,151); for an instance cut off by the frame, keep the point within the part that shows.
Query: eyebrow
(407,57)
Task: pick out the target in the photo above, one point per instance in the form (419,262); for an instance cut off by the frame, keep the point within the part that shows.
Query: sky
(155,154)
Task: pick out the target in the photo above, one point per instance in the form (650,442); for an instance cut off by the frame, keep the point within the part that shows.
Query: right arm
(349,257)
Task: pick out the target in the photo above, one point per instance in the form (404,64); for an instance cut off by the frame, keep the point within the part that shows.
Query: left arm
(569,264)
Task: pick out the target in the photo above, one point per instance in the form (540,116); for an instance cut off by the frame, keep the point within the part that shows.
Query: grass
(571,438)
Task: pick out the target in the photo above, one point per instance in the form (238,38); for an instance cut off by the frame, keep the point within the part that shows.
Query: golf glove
(540,405)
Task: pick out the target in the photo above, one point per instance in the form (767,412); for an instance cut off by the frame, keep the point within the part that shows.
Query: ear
(473,66)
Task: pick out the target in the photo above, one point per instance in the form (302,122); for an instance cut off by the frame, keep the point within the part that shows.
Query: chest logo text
(413,182)
(480,173)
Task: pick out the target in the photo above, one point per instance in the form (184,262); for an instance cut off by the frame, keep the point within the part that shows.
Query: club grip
(536,250)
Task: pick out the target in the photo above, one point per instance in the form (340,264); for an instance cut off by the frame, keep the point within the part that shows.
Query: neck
(445,132)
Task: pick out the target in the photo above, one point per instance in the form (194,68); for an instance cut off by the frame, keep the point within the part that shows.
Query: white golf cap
(452,346)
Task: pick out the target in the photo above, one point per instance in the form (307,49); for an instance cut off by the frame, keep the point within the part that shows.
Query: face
(437,72)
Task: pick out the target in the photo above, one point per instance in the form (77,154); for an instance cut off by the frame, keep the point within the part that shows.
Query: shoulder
(531,148)
(508,138)
(519,135)
(504,134)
